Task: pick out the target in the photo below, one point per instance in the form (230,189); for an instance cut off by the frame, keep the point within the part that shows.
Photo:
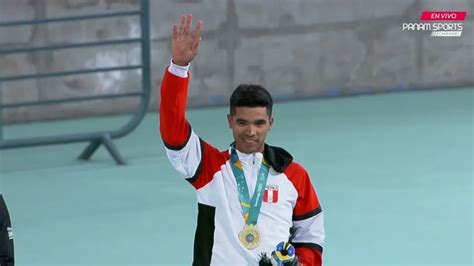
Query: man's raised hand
(184,43)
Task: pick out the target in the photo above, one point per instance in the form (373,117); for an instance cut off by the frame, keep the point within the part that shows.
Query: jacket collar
(277,157)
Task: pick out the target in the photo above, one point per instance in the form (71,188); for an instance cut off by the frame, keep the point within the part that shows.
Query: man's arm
(195,159)
(307,234)
(182,144)
(174,128)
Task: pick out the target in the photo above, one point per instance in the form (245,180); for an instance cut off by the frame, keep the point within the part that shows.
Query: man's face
(250,126)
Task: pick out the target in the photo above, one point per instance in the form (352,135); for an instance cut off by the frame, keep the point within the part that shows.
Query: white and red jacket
(290,210)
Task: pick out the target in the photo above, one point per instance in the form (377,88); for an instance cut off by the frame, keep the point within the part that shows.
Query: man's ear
(271,122)
(229,120)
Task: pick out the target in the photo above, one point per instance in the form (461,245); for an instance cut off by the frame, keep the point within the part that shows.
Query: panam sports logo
(440,23)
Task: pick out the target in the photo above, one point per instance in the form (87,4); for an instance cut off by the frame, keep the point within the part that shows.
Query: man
(250,197)
(6,235)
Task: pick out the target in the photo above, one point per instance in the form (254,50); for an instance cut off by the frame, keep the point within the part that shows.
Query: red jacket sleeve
(308,256)
(192,156)
(174,127)
(308,222)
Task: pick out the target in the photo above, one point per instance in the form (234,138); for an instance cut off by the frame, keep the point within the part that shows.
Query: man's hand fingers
(196,46)
(197,30)
(185,40)
(189,20)
(181,24)
(175,31)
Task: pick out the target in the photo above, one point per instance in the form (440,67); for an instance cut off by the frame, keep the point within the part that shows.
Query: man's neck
(259,150)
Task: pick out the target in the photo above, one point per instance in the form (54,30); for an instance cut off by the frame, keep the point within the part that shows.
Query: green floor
(393,172)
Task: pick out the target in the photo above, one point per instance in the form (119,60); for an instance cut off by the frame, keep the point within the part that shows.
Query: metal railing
(99,137)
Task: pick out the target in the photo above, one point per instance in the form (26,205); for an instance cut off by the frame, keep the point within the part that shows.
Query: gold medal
(249,236)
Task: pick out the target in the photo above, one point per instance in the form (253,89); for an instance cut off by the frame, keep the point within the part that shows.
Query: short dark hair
(251,95)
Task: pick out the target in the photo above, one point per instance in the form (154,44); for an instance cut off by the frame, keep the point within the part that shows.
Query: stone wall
(295,48)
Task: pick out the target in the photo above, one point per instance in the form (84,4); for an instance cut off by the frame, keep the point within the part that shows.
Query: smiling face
(250,126)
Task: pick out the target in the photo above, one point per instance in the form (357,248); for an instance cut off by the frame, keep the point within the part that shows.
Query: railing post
(89,150)
(145,48)
(112,149)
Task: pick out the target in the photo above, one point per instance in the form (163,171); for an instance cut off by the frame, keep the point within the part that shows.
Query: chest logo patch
(271,194)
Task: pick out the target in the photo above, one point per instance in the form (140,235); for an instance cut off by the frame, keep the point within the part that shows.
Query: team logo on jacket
(271,194)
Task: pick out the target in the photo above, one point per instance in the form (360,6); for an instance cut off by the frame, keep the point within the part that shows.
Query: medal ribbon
(250,208)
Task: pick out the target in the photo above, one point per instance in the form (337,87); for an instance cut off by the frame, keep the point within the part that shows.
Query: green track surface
(393,173)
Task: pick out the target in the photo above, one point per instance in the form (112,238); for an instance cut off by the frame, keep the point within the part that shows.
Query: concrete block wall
(295,48)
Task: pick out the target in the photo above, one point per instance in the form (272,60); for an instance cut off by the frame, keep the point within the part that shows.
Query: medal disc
(249,236)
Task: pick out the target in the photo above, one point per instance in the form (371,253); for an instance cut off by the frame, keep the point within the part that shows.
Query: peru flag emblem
(271,194)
